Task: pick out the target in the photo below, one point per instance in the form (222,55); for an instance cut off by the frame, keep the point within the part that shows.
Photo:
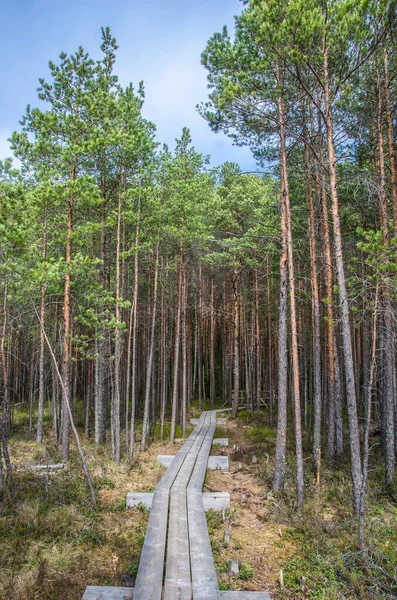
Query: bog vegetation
(136,280)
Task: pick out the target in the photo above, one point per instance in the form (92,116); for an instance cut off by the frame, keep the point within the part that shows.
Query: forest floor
(53,543)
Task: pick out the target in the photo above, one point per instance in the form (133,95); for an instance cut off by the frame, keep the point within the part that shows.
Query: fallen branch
(53,467)
(73,426)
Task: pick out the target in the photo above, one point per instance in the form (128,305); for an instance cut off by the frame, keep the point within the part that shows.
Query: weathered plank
(149,580)
(94,592)
(214,462)
(211,500)
(220,441)
(177,584)
(204,580)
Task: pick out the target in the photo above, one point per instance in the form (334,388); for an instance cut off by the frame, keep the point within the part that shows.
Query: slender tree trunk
(128,381)
(294,335)
(200,339)
(212,343)
(367,427)
(236,341)
(328,280)
(100,408)
(4,381)
(390,137)
(164,364)
(282,395)
(67,328)
(354,436)
(40,414)
(149,365)
(316,343)
(134,337)
(176,353)
(388,395)
(117,338)
(258,346)
(184,352)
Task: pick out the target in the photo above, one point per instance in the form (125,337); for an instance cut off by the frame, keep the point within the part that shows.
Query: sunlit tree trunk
(149,365)
(354,436)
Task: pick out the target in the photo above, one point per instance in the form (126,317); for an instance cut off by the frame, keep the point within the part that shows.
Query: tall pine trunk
(354,436)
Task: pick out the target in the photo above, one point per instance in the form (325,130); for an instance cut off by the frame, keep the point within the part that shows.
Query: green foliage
(246,572)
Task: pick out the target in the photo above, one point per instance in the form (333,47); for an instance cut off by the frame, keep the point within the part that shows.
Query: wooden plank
(215,500)
(220,441)
(204,580)
(214,462)
(149,580)
(134,499)
(177,583)
(94,592)
(211,500)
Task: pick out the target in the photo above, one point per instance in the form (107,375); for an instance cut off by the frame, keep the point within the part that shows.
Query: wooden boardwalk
(177,510)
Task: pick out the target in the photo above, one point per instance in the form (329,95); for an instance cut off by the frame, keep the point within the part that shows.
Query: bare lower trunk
(258,347)
(40,413)
(176,354)
(117,342)
(236,352)
(367,427)
(212,343)
(354,436)
(67,330)
(316,337)
(184,353)
(294,335)
(134,339)
(200,340)
(388,395)
(149,365)
(281,442)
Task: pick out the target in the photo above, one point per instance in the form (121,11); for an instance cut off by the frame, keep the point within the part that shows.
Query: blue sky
(160,41)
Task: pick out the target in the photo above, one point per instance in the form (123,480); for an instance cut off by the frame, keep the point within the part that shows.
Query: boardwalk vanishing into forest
(176,561)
